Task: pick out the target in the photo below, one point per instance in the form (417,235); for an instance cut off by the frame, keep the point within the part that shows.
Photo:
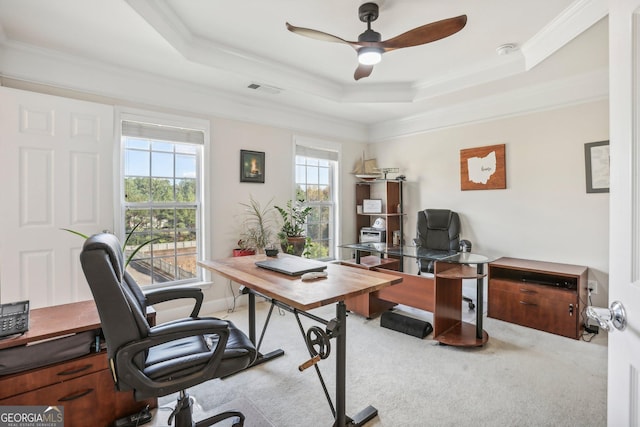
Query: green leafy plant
(258,225)
(308,245)
(291,234)
(124,245)
(294,217)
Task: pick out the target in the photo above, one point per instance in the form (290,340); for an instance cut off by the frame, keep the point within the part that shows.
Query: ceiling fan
(370,46)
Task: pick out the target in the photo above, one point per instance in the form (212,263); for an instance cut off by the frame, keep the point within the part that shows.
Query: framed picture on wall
(596,165)
(251,166)
(483,168)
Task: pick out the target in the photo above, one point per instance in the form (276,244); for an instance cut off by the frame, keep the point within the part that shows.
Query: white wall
(225,191)
(544,214)
(228,137)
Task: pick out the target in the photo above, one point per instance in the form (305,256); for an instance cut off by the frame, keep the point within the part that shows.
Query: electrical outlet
(593,285)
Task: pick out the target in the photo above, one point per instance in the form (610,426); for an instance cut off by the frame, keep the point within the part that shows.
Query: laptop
(292,266)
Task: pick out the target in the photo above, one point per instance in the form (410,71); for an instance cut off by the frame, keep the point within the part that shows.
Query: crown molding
(194,48)
(116,84)
(587,87)
(571,22)
(574,20)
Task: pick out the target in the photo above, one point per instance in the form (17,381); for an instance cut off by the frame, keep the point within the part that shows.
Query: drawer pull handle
(75,396)
(528,291)
(75,371)
(528,303)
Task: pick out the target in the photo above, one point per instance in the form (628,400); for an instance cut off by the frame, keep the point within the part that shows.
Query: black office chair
(154,361)
(438,235)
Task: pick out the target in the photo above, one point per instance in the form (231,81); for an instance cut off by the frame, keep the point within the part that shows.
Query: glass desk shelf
(449,270)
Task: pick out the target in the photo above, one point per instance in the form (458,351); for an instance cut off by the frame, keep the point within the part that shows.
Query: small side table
(448,327)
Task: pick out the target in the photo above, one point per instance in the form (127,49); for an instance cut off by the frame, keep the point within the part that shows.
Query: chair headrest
(111,245)
(438,219)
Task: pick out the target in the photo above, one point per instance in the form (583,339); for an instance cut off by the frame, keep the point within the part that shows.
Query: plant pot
(243,252)
(272,252)
(297,245)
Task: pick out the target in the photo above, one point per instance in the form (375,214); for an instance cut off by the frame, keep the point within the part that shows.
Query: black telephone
(14,318)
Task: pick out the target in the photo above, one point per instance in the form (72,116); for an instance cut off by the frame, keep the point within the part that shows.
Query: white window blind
(323,154)
(162,133)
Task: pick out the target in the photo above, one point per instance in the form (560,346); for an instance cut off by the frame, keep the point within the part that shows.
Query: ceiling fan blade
(362,71)
(318,35)
(426,34)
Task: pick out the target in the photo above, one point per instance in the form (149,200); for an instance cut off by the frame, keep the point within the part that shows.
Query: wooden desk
(83,385)
(342,282)
(442,294)
(57,320)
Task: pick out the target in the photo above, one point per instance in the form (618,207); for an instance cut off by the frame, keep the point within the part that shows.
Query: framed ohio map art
(483,168)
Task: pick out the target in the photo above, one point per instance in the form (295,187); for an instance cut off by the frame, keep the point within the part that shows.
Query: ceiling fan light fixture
(369,55)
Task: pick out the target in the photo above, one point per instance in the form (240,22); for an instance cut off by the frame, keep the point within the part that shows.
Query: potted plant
(243,249)
(258,226)
(134,251)
(292,233)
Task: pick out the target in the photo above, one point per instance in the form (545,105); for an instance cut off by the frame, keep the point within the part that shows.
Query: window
(316,185)
(161,201)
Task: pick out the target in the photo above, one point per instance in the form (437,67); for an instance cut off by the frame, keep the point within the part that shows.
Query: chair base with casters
(155,361)
(183,414)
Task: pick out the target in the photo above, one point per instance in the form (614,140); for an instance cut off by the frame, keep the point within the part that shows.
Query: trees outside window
(315,187)
(161,192)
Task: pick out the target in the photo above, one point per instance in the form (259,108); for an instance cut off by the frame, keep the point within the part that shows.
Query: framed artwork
(370,206)
(251,166)
(483,168)
(596,165)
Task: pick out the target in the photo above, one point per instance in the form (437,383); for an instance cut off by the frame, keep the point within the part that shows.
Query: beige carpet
(521,377)
(253,416)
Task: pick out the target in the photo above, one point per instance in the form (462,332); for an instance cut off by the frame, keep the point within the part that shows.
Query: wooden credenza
(548,296)
(83,385)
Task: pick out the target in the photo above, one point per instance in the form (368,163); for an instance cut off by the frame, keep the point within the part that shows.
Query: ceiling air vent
(265,88)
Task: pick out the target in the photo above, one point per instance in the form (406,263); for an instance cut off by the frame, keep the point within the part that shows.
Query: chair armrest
(127,357)
(189,327)
(167,294)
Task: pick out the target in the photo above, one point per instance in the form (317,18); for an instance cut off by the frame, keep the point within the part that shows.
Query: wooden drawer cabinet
(86,399)
(547,296)
(11,385)
(83,385)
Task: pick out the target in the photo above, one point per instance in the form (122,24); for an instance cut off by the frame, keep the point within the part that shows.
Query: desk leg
(252,317)
(341,362)
(369,412)
(479,300)
(261,358)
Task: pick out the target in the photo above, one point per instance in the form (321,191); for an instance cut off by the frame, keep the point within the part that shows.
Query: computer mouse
(314,275)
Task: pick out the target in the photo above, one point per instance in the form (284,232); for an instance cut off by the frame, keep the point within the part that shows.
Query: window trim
(136,115)
(323,145)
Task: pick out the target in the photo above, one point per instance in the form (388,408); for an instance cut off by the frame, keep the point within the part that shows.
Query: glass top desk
(449,271)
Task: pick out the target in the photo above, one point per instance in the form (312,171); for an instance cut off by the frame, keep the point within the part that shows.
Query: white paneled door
(56,171)
(623,397)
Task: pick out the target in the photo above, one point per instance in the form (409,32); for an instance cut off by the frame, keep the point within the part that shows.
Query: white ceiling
(223,47)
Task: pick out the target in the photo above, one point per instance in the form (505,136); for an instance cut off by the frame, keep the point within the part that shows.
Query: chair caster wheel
(472,306)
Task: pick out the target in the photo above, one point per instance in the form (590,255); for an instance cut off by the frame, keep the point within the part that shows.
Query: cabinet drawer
(536,310)
(533,290)
(41,377)
(86,399)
